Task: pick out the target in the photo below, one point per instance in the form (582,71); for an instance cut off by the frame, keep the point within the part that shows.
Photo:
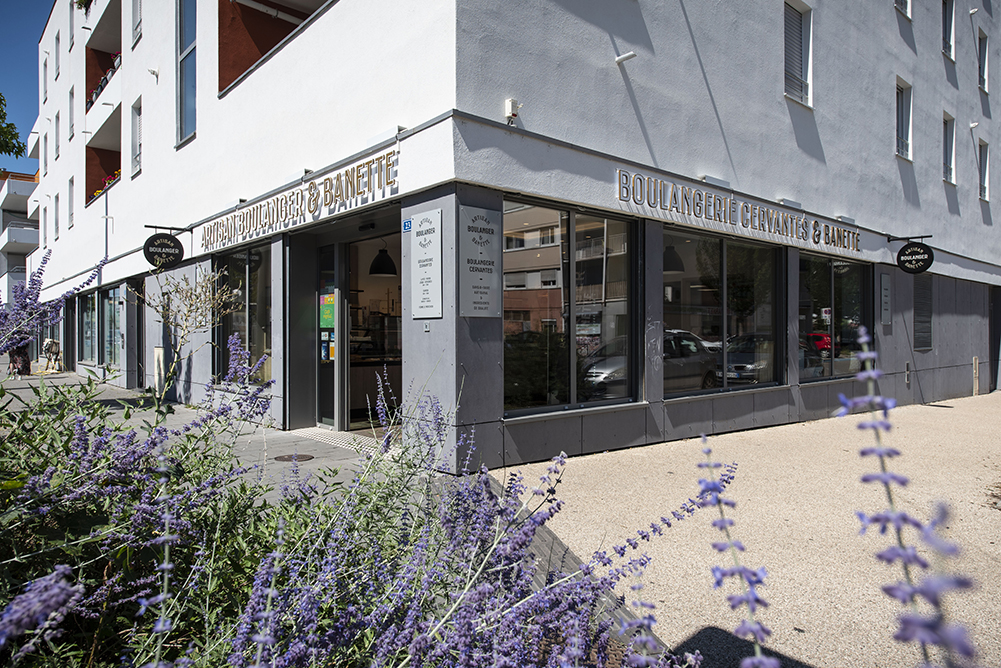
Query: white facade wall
(353,72)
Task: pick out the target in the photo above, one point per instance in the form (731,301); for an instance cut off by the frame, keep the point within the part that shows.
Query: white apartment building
(589,224)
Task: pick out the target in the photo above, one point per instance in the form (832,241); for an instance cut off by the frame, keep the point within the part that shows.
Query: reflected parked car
(822,342)
(688,363)
(749,359)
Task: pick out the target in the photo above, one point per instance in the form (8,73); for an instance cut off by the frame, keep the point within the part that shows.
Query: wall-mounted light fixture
(974,11)
(155,73)
(974,124)
(628,55)
(511,108)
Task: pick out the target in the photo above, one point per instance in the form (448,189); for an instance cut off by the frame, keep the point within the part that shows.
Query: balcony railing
(96,93)
(903,148)
(947,172)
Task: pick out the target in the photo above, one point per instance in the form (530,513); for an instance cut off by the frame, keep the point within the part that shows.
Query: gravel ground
(797,489)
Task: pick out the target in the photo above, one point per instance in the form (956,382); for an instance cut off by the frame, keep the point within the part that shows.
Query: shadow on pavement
(722,649)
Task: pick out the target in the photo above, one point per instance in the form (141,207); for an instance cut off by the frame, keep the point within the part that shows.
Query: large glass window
(718,291)
(831,309)
(88,328)
(249,276)
(110,328)
(565,341)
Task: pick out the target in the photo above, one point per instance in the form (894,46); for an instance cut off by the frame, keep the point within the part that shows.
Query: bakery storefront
(659,309)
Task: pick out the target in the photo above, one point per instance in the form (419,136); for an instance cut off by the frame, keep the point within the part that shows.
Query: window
(72,10)
(45,227)
(45,80)
(137,19)
(186,69)
(111,325)
(514,239)
(56,76)
(55,218)
(249,275)
(720,302)
(948,10)
(69,112)
(983,162)
(56,154)
(69,204)
(948,148)
(87,337)
(904,6)
(137,136)
(831,309)
(547,236)
(568,333)
(982,60)
(45,154)
(903,120)
(797,53)
(923,311)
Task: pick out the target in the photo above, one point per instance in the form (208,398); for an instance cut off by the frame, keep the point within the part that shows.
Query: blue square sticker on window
(407,224)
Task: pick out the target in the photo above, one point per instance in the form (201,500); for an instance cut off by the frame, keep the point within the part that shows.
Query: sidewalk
(797,489)
(264,448)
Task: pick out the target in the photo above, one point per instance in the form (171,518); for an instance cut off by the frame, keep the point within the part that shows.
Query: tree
(10,143)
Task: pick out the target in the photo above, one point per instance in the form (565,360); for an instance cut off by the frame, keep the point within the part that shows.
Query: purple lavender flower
(42,606)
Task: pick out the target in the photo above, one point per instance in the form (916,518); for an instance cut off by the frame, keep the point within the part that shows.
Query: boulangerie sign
(425,265)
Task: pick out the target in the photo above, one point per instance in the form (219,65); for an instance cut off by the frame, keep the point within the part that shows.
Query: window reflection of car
(688,364)
(811,359)
(822,342)
(748,359)
(606,369)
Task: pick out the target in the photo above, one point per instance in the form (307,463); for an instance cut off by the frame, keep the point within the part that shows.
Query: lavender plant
(750,580)
(925,621)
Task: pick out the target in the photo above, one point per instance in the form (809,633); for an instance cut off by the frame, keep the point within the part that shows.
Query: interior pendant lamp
(672,261)
(382,264)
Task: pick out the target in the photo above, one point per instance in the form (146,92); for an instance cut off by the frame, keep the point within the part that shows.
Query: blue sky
(22,23)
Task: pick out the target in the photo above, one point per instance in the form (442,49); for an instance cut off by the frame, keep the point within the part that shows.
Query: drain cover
(293,458)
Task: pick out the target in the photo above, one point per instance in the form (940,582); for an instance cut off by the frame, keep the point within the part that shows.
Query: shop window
(566,342)
(719,314)
(249,276)
(110,321)
(87,335)
(923,311)
(831,310)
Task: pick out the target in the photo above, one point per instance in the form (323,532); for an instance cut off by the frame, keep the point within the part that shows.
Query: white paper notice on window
(425,265)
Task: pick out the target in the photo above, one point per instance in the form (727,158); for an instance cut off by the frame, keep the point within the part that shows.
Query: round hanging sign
(163,251)
(915,257)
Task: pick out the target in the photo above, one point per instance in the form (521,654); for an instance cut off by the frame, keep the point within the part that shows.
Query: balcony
(104,54)
(19,237)
(15,191)
(8,280)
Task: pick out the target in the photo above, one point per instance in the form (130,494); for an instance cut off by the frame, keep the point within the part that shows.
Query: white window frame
(45,79)
(948,149)
(55,50)
(983,60)
(803,78)
(984,167)
(183,53)
(905,98)
(45,227)
(137,136)
(904,7)
(45,154)
(69,204)
(55,217)
(949,29)
(72,9)
(55,155)
(70,113)
(137,20)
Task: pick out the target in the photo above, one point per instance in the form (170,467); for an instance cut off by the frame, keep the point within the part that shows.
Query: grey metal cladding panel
(685,419)
(947,327)
(955,381)
(733,411)
(772,407)
(539,440)
(487,443)
(301,264)
(479,354)
(814,401)
(614,430)
(656,423)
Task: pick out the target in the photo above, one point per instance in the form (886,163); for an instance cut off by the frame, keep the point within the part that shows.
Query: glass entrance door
(375,321)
